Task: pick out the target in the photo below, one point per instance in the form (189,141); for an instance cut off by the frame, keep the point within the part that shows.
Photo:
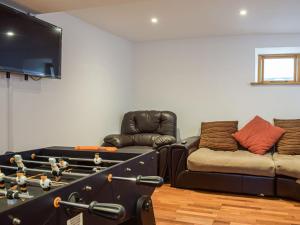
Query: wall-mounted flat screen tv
(28,45)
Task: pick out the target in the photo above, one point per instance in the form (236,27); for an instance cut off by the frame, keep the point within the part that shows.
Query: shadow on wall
(18,84)
(3,81)
(178,135)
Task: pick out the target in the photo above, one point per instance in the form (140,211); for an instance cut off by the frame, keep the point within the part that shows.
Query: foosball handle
(153,181)
(107,210)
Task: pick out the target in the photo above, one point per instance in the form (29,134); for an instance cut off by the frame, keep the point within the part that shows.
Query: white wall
(209,79)
(199,79)
(89,100)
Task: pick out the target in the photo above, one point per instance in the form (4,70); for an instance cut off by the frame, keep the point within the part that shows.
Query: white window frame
(262,53)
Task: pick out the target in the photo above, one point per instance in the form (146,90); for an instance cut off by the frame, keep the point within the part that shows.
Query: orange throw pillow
(258,135)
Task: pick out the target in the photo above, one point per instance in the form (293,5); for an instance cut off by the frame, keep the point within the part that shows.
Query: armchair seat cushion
(135,149)
(287,165)
(238,162)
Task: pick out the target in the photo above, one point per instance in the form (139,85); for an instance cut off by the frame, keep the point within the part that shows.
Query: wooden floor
(186,207)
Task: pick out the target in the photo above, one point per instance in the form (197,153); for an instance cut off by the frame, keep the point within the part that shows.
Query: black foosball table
(63,186)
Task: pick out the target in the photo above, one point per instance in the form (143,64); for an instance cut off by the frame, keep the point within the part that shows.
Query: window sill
(275,83)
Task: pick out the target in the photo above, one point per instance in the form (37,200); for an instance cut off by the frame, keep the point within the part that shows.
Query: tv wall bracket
(26,76)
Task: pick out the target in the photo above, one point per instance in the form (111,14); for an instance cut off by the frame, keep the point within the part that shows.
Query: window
(278,69)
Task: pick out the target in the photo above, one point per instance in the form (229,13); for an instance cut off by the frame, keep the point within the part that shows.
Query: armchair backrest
(156,122)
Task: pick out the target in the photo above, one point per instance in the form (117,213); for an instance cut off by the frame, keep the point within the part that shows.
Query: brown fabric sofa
(240,172)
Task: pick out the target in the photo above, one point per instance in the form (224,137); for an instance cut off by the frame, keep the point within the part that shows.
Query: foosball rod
(45,171)
(69,165)
(35,181)
(15,194)
(75,159)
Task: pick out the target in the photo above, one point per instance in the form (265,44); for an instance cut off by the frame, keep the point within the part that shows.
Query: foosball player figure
(97,169)
(56,172)
(63,164)
(11,197)
(97,159)
(21,180)
(19,161)
(45,183)
(2,182)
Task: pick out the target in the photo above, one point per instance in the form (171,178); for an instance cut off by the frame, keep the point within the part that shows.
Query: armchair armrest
(118,140)
(179,154)
(163,140)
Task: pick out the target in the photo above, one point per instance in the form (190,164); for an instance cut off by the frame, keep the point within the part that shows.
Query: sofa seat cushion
(287,165)
(238,162)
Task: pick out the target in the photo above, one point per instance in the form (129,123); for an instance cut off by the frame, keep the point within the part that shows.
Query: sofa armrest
(163,140)
(118,140)
(179,154)
(190,144)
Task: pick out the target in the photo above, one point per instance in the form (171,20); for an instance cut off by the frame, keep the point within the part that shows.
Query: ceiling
(179,18)
(46,6)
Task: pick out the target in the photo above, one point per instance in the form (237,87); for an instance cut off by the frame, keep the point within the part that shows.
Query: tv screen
(28,45)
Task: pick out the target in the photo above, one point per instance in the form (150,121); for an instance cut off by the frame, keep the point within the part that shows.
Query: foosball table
(63,186)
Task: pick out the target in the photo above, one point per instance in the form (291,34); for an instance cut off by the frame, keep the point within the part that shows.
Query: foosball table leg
(145,213)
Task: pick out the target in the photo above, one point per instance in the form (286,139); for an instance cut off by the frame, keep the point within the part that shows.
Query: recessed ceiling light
(10,33)
(154,20)
(243,12)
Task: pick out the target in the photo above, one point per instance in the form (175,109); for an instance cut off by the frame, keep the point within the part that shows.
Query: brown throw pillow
(218,135)
(289,143)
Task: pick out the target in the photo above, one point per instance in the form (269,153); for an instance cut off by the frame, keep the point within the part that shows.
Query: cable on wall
(35,78)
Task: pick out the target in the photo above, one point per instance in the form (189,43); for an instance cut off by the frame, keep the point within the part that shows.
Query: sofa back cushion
(289,143)
(258,136)
(218,135)
(156,122)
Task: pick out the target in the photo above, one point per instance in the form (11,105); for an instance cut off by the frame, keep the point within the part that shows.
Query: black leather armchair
(146,130)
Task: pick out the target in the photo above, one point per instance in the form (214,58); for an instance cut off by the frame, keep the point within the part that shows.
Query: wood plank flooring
(186,207)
